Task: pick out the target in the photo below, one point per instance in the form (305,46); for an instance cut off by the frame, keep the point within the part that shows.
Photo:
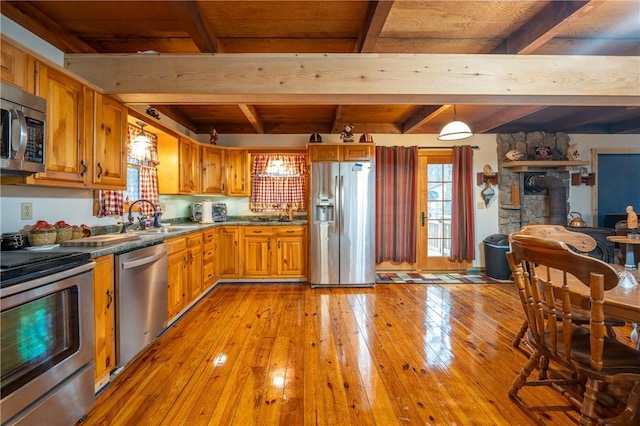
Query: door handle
(144,261)
(109,298)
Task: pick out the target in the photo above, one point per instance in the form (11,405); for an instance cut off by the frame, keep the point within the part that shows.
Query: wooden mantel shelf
(523,166)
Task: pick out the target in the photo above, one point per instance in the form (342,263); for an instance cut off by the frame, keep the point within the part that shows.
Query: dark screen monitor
(610,219)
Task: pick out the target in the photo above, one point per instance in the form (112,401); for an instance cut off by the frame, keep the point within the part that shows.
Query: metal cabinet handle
(83,168)
(278,245)
(257,232)
(99,170)
(269,244)
(423,217)
(109,299)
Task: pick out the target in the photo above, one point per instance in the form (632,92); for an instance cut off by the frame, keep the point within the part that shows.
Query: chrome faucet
(142,218)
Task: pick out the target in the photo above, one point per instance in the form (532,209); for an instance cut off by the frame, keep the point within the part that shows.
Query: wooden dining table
(620,302)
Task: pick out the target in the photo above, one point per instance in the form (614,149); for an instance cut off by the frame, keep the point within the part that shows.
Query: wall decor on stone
(518,207)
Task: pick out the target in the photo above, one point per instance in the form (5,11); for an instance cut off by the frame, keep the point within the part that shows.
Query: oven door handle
(143,261)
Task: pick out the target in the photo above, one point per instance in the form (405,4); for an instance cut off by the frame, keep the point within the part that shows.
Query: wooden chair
(583,243)
(585,350)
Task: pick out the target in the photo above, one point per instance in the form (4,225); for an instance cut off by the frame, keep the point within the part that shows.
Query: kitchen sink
(166,229)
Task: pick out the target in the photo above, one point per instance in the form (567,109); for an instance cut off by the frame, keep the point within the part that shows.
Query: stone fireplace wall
(518,208)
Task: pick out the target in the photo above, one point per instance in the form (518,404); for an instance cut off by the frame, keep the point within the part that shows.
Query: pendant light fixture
(141,143)
(455,130)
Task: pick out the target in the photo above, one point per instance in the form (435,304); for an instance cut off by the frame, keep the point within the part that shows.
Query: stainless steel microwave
(22,131)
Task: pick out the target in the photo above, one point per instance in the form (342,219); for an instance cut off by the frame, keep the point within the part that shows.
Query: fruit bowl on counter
(42,237)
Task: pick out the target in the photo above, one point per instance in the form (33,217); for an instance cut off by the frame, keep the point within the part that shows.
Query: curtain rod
(445,147)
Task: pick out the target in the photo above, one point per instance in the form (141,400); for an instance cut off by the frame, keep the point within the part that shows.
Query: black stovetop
(22,265)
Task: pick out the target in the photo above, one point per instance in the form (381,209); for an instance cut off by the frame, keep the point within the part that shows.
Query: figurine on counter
(632,220)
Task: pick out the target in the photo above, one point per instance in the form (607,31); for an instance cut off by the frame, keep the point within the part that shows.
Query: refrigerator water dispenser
(324,210)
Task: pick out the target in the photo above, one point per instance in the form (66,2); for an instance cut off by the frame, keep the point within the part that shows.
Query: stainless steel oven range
(47,347)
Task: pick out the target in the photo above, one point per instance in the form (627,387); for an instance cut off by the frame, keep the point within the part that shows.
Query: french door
(435,191)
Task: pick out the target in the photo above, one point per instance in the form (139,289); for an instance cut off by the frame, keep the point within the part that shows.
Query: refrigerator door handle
(341,205)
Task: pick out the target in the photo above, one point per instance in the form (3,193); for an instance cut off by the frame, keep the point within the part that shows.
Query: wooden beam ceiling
(191,17)
(364,78)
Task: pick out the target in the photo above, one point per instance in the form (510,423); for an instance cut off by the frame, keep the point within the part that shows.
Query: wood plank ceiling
(597,28)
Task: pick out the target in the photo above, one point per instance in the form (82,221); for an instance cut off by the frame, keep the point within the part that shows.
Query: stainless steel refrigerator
(342,222)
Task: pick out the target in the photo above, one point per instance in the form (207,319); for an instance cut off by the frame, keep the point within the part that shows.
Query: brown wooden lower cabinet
(274,251)
(184,272)
(228,254)
(104,319)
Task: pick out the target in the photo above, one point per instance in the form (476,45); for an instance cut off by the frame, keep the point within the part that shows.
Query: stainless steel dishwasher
(141,299)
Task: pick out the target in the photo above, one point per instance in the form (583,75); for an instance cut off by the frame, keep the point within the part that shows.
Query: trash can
(496,247)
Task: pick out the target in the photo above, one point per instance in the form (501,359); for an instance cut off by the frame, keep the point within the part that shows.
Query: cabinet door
(177,275)
(238,172)
(109,159)
(257,251)
(104,319)
(168,170)
(213,170)
(187,183)
(358,152)
(324,152)
(194,257)
(14,65)
(67,110)
(291,259)
(228,254)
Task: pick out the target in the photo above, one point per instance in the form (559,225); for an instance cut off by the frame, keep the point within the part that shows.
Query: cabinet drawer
(208,252)
(209,237)
(290,230)
(207,273)
(258,230)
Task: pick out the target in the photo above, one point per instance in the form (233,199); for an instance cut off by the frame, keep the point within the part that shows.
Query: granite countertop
(156,235)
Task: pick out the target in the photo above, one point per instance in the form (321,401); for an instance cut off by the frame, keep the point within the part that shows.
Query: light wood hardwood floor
(286,354)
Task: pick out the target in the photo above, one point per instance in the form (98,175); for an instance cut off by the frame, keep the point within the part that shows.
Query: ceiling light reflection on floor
(220,360)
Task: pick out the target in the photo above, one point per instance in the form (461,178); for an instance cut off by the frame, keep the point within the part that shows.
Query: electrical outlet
(26,211)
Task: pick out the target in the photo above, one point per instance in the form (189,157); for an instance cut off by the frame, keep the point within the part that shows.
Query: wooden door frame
(423,261)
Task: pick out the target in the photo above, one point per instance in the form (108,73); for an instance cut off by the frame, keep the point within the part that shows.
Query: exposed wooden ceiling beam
(548,23)
(364,78)
(502,117)
(374,21)
(629,126)
(423,115)
(254,118)
(26,15)
(195,24)
(176,116)
(338,121)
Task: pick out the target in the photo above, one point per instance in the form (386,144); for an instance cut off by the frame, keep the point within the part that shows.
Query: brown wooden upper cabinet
(341,152)
(85,132)
(69,125)
(238,172)
(108,166)
(189,166)
(213,169)
(17,66)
